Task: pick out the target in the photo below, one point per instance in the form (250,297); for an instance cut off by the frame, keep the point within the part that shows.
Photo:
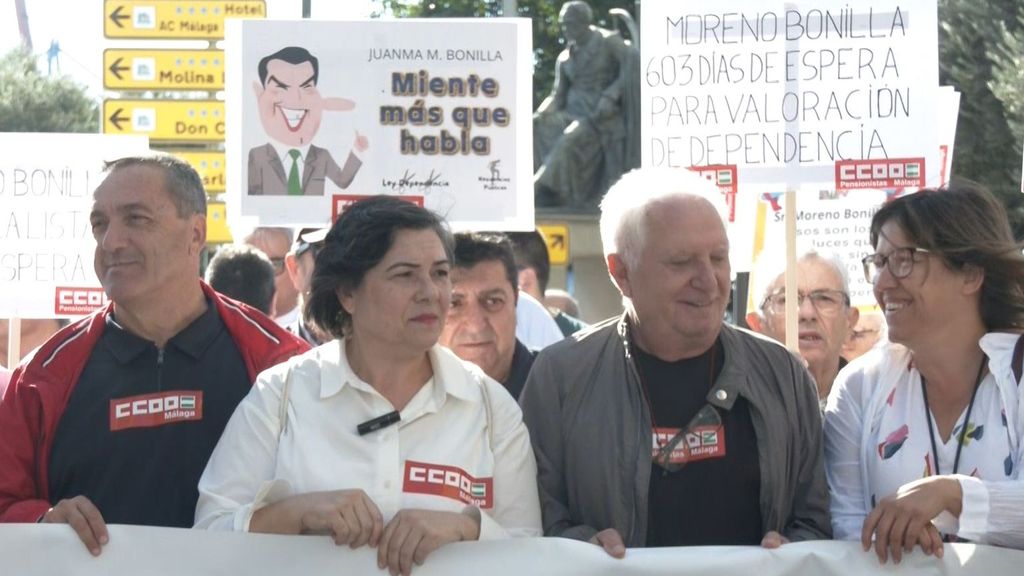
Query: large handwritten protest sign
(438,109)
(808,93)
(46,245)
(49,549)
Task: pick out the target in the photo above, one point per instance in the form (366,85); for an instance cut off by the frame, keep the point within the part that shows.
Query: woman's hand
(350,516)
(904,519)
(413,534)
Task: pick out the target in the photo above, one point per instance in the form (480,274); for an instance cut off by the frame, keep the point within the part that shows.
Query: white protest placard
(434,109)
(801,94)
(830,222)
(46,244)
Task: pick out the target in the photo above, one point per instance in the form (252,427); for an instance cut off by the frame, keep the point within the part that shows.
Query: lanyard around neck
(963,429)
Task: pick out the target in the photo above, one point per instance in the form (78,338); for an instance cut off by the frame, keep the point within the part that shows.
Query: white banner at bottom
(44,550)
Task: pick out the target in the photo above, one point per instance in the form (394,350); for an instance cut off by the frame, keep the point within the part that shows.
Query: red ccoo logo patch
(448,481)
(150,410)
(881,174)
(77,300)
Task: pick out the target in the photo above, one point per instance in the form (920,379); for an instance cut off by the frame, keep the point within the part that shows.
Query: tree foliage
(33,102)
(980,55)
(547,36)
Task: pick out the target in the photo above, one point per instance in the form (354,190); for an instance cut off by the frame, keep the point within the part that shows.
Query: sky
(78,26)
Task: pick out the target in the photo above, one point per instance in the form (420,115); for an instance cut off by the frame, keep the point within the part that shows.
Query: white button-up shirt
(460,442)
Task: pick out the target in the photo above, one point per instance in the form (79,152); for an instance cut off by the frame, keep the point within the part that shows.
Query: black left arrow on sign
(116,68)
(116,118)
(116,16)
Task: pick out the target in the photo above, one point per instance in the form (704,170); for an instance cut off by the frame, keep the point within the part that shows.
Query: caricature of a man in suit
(291,108)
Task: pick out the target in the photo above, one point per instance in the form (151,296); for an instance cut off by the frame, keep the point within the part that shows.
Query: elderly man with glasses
(825,319)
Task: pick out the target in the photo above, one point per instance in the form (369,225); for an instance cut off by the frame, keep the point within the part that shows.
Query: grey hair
(625,206)
(287,234)
(771,264)
(181,180)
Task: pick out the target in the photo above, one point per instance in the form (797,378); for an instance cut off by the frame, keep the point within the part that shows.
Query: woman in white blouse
(923,435)
(384,438)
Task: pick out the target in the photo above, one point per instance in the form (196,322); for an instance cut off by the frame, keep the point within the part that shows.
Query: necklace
(963,429)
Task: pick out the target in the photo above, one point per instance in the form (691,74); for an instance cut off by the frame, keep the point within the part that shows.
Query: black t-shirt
(715,498)
(141,423)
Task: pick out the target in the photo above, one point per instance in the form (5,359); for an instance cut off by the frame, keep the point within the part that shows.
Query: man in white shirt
(534,326)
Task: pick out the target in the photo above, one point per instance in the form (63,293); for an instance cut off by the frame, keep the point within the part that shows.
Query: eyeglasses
(304,247)
(278,263)
(702,436)
(900,262)
(826,302)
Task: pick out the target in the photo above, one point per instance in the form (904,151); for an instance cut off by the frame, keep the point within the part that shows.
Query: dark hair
(357,242)
(966,225)
(244,273)
(290,55)
(532,252)
(181,180)
(472,248)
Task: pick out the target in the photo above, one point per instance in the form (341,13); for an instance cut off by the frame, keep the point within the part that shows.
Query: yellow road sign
(217,231)
(557,238)
(171,120)
(210,166)
(175,19)
(163,69)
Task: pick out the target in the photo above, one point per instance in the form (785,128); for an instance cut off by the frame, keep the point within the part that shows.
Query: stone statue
(587,132)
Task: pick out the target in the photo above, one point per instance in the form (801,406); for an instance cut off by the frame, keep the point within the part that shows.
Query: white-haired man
(665,426)
(825,317)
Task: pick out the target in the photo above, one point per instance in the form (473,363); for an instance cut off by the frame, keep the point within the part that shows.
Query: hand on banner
(84,517)
(904,519)
(413,534)
(362,143)
(773,540)
(348,515)
(611,541)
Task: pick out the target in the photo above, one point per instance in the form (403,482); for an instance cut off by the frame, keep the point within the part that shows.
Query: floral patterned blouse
(877,439)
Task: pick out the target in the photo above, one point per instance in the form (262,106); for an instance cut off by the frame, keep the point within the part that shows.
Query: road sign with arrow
(557,238)
(163,69)
(175,20)
(169,120)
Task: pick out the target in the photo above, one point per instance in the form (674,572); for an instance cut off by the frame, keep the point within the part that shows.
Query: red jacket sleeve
(21,436)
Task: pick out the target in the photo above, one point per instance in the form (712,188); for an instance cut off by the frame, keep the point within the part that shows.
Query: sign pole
(13,342)
(792,305)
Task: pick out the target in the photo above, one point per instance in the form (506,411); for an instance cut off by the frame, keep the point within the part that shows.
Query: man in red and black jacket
(113,419)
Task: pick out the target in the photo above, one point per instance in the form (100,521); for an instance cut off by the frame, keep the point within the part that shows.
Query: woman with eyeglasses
(380,437)
(924,435)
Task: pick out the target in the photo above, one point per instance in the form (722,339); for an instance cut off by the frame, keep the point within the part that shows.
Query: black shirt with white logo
(710,501)
(141,423)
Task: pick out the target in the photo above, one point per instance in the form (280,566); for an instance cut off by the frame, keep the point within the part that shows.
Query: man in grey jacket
(665,426)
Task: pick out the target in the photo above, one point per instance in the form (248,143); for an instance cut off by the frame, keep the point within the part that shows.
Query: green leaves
(32,102)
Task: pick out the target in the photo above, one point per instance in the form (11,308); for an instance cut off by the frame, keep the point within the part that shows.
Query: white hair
(771,264)
(625,206)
